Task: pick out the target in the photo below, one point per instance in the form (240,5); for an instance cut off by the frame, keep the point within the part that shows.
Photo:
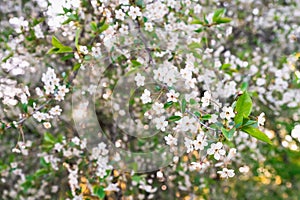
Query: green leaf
(199,30)
(145,19)
(168,104)
(197,21)
(49,138)
(244,86)
(53,50)
(135,63)
(174,118)
(183,105)
(193,101)
(198,114)
(228,133)
(76,66)
(218,13)
(194,45)
(58,47)
(223,20)
(56,42)
(206,117)
(255,132)
(205,19)
(243,107)
(225,66)
(25,107)
(136,178)
(99,191)
(41,172)
(65,49)
(94,26)
(103,28)
(67,57)
(78,31)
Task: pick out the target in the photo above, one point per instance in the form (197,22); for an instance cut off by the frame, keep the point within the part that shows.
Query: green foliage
(174,118)
(58,47)
(243,107)
(99,191)
(255,132)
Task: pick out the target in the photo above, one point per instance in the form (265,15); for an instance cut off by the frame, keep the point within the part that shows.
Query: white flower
(213,118)
(170,140)
(47,125)
(199,165)
(139,79)
(148,26)
(124,29)
(227,113)
(76,140)
(225,173)
(49,88)
(200,141)
(39,116)
(261,119)
(120,15)
(188,143)
(172,96)
(62,89)
(206,99)
(146,97)
(186,73)
(160,73)
(158,108)
(161,123)
(134,12)
(186,123)
(170,78)
(296,132)
(83,49)
(59,96)
(216,150)
(55,110)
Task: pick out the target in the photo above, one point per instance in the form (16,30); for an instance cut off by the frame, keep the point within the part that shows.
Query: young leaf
(65,49)
(94,26)
(174,118)
(135,63)
(223,20)
(218,13)
(103,28)
(56,42)
(243,107)
(197,21)
(228,133)
(255,132)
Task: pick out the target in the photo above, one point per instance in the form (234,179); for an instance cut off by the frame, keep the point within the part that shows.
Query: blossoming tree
(149,99)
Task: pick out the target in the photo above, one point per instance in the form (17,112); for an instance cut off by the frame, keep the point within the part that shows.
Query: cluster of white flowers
(100,154)
(166,73)
(146,97)
(42,116)
(53,86)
